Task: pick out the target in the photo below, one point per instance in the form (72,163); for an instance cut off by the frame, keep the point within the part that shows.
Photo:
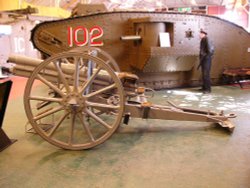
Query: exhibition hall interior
(125,93)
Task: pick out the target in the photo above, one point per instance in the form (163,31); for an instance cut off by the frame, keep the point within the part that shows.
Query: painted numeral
(81,36)
(96,33)
(19,44)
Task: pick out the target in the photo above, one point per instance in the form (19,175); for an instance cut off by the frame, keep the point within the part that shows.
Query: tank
(161,48)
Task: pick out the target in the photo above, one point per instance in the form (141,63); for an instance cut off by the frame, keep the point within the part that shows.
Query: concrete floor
(145,153)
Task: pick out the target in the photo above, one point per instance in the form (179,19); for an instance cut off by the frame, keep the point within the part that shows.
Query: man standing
(206,53)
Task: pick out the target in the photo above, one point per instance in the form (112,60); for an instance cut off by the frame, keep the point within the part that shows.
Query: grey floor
(145,153)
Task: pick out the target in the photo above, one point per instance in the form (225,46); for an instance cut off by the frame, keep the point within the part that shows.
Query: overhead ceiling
(129,4)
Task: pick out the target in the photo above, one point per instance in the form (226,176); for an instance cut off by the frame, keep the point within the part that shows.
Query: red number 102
(81,36)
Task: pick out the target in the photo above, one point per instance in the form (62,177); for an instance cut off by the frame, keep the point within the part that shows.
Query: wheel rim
(97,52)
(69,109)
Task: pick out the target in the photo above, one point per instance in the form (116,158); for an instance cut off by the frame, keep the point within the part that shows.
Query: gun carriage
(77,99)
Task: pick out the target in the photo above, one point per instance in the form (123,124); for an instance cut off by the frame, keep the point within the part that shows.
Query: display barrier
(5,88)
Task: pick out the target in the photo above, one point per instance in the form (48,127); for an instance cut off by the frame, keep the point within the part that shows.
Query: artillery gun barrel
(19,59)
(28,64)
(25,66)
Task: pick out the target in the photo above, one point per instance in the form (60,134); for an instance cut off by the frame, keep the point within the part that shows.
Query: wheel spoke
(66,60)
(72,126)
(99,105)
(50,85)
(101,90)
(82,64)
(61,75)
(47,113)
(51,133)
(83,68)
(76,75)
(86,128)
(99,120)
(49,99)
(90,80)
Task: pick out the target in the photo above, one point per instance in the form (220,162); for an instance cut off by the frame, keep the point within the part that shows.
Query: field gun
(77,99)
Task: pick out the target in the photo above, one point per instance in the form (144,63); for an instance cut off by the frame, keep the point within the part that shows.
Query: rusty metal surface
(157,67)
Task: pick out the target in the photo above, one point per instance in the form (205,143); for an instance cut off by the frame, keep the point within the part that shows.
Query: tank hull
(161,48)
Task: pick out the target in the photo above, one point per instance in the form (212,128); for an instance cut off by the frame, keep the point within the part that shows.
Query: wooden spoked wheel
(74,100)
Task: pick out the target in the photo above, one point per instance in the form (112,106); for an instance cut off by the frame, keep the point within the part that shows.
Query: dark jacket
(206,48)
